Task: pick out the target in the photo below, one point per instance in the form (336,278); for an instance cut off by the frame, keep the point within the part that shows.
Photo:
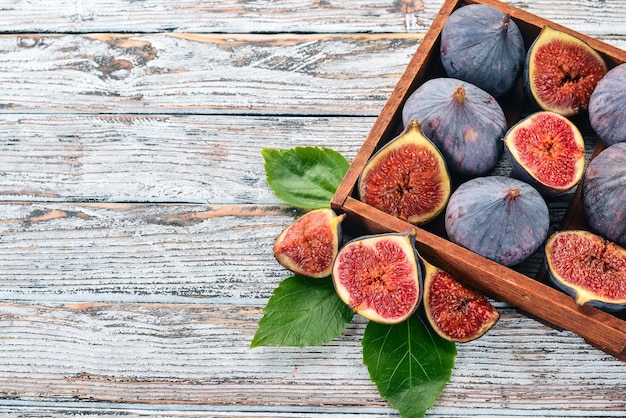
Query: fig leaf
(408,362)
(301,312)
(304,177)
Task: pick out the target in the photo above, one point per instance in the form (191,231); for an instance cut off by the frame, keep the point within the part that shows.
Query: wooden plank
(201,159)
(150,253)
(231,16)
(313,74)
(224,16)
(202,74)
(195,357)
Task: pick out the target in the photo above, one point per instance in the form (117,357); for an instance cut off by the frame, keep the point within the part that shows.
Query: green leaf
(305,177)
(409,363)
(302,311)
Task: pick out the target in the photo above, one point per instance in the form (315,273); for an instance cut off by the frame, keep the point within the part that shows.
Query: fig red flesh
(455,311)
(310,244)
(561,72)
(407,178)
(379,277)
(588,267)
(546,150)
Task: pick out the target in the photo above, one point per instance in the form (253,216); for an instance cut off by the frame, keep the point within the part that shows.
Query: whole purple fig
(604,193)
(482,45)
(607,107)
(465,122)
(499,218)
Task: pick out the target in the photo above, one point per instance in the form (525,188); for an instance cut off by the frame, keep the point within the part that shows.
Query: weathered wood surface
(154,305)
(136,225)
(236,16)
(287,74)
(166,158)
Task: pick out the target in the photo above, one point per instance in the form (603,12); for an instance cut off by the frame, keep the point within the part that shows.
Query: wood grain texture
(147,252)
(196,357)
(150,253)
(289,74)
(279,16)
(200,74)
(158,158)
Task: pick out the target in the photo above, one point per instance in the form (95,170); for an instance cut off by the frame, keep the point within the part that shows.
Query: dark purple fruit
(497,217)
(456,312)
(607,107)
(604,193)
(379,277)
(407,178)
(547,151)
(310,244)
(561,71)
(465,122)
(589,268)
(482,45)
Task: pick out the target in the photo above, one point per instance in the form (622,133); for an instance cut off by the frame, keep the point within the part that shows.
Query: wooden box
(530,294)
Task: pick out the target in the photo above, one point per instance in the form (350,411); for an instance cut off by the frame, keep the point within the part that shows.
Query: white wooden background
(136,225)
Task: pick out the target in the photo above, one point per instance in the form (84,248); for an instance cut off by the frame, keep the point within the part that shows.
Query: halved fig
(407,178)
(310,244)
(455,311)
(379,276)
(547,151)
(561,71)
(588,267)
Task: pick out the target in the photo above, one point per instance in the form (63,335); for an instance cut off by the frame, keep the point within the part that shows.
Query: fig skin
(465,122)
(310,244)
(482,45)
(607,107)
(588,267)
(407,178)
(553,82)
(500,218)
(456,312)
(604,193)
(379,276)
(547,151)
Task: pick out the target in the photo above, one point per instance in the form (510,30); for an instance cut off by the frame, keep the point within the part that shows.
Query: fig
(407,178)
(310,244)
(547,151)
(465,122)
(379,276)
(455,311)
(607,106)
(482,45)
(588,267)
(561,71)
(500,218)
(604,193)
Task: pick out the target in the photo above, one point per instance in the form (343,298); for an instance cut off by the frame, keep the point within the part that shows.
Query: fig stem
(512,193)
(506,19)
(459,95)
